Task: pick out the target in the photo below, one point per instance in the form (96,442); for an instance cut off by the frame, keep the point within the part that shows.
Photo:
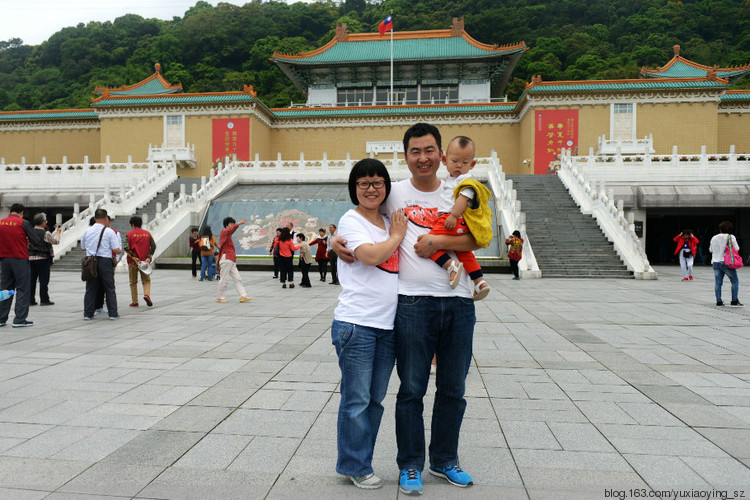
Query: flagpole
(391,99)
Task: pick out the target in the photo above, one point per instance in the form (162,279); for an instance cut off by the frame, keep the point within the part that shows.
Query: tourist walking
(687,249)
(228,261)
(305,261)
(195,250)
(208,260)
(286,257)
(102,242)
(15,236)
(515,252)
(321,253)
(362,329)
(40,259)
(332,257)
(273,250)
(718,248)
(140,247)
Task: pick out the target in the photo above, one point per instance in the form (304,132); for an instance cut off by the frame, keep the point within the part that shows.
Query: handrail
(594,199)
(510,217)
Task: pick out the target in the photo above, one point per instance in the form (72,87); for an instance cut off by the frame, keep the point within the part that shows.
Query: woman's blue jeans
(366,357)
(424,326)
(720,269)
(208,266)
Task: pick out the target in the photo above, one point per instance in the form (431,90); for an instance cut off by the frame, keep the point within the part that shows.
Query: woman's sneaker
(736,303)
(454,474)
(367,482)
(410,482)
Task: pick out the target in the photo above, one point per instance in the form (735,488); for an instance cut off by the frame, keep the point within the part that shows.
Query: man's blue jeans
(366,358)
(719,271)
(425,326)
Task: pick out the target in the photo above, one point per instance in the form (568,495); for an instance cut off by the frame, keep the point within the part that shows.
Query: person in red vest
(140,247)
(228,261)
(15,274)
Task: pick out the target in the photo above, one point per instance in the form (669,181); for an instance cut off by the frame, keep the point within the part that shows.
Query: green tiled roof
(410,49)
(411,110)
(682,70)
(154,87)
(175,99)
(739,96)
(639,85)
(49,115)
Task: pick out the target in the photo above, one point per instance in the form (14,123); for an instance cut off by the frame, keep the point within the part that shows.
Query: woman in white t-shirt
(717,247)
(362,329)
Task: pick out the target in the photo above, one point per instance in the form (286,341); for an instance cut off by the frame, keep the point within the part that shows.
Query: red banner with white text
(231,136)
(553,130)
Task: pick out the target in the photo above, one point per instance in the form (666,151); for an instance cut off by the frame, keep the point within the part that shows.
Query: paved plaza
(578,389)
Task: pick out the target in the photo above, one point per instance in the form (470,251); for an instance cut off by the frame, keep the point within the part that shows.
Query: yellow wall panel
(33,145)
(685,125)
(734,129)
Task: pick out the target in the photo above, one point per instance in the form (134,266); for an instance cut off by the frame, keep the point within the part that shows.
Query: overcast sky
(34,21)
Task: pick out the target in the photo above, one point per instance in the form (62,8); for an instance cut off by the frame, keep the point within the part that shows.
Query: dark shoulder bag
(90,262)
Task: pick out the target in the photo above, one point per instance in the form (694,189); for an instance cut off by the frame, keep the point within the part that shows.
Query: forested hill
(221,48)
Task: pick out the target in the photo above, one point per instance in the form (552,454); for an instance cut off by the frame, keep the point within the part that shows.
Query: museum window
(622,124)
(401,95)
(354,97)
(174,131)
(439,93)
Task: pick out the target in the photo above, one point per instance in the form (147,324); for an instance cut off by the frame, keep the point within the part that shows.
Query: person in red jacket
(15,274)
(687,245)
(195,250)
(321,254)
(286,257)
(228,261)
(140,247)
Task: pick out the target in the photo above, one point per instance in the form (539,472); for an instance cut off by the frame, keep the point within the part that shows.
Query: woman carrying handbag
(725,260)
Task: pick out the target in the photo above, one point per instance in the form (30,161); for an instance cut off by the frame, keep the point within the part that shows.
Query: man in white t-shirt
(431,318)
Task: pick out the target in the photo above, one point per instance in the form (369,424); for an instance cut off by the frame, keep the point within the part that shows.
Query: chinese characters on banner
(231,136)
(553,130)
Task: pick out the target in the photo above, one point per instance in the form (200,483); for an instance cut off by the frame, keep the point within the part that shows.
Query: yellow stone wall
(132,136)
(75,144)
(685,125)
(260,140)
(734,129)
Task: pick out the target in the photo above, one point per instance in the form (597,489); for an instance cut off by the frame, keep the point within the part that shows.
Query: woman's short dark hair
(726,226)
(364,168)
(285,235)
(207,231)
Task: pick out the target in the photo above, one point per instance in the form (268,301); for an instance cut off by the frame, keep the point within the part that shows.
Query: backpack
(205,243)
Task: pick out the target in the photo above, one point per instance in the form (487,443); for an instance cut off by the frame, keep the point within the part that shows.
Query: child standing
(687,245)
(228,261)
(455,208)
(305,260)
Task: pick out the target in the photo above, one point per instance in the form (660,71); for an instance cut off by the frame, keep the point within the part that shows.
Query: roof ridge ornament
(676,49)
(342,34)
(157,68)
(457,27)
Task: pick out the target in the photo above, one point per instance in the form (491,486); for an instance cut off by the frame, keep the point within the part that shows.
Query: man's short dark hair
(332,225)
(136,221)
(364,168)
(194,229)
(40,218)
(228,221)
(17,208)
(100,213)
(421,130)
(301,237)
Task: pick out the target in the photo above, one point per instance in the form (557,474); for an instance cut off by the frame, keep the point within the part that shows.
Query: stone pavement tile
(21,430)
(223,395)
(301,386)
(338,487)
(116,421)
(545,483)
(604,412)
(26,410)
(215,451)
(531,435)
(82,496)
(649,414)
(146,410)
(579,437)
(537,410)
(199,484)
(49,443)
(736,442)
(64,412)
(38,474)
(179,395)
(193,418)
(576,460)
(11,494)
(545,391)
(696,447)
(722,472)
(154,448)
(112,479)
(699,415)
(475,432)
(306,401)
(267,455)
(251,422)
(664,472)
(97,445)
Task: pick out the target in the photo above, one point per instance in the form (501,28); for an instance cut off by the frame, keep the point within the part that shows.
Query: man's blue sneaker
(454,474)
(410,482)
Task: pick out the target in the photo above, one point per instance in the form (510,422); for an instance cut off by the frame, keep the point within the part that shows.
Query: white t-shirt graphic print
(369,294)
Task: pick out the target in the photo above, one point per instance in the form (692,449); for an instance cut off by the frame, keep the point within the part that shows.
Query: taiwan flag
(385,25)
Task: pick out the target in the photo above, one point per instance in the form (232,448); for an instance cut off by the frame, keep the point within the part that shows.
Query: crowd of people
(403,257)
